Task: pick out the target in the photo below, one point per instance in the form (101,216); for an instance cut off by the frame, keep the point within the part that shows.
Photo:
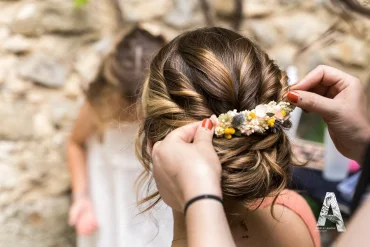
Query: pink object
(279,115)
(353,166)
(298,205)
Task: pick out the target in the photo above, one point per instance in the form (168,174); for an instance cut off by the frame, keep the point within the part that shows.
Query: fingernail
(284,95)
(293,96)
(206,123)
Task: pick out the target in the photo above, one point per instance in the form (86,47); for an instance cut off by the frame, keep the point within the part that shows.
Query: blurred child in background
(101,154)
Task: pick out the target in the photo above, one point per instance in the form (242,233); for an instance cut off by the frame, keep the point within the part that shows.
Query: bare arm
(357,233)
(84,126)
(206,221)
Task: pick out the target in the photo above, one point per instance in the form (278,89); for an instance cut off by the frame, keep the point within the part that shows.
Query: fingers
(312,102)
(323,76)
(87,224)
(204,132)
(185,133)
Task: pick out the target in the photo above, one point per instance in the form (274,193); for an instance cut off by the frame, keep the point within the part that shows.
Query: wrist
(201,198)
(202,187)
(363,146)
(76,196)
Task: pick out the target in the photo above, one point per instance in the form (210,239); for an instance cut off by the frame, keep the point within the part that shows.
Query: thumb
(204,133)
(312,102)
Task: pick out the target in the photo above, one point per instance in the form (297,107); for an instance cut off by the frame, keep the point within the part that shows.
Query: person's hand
(185,164)
(340,100)
(82,216)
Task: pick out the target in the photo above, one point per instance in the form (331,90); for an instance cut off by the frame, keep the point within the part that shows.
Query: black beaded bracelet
(217,198)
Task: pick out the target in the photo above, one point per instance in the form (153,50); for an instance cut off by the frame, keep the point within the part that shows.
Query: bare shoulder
(287,228)
(85,124)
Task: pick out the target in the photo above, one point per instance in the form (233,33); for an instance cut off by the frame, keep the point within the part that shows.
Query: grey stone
(6,149)
(8,10)
(73,87)
(15,85)
(4,34)
(44,70)
(15,121)
(7,64)
(141,10)
(35,18)
(182,15)
(10,176)
(17,44)
(258,8)
(88,59)
(312,58)
(251,8)
(284,55)
(350,51)
(224,7)
(42,124)
(265,32)
(303,28)
(41,223)
(63,112)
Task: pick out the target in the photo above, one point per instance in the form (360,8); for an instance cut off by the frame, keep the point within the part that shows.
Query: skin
(201,175)
(340,100)
(333,94)
(81,214)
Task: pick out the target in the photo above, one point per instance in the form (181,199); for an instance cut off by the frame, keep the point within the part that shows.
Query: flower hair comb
(264,117)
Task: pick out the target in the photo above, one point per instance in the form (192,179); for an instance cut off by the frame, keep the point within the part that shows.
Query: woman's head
(211,71)
(122,73)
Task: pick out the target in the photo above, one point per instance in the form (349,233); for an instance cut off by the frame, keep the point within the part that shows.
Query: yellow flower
(271,122)
(283,113)
(251,115)
(228,136)
(229,131)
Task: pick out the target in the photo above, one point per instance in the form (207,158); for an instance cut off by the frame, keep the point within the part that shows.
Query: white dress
(112,170)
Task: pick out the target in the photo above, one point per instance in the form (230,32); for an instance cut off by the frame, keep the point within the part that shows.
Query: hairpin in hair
(264,117)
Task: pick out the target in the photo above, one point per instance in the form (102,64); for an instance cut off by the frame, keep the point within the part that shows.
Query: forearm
(364,143)
(77,168)
(206,222)
(357,232)
(207,225)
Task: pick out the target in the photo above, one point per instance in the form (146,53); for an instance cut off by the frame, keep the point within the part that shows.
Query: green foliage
(311,127)
(314,205)
(80,3)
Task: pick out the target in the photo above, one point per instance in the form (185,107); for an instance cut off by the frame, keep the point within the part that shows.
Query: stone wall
(50,49)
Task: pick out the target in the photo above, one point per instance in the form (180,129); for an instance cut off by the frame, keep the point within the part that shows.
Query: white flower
(261,111)
(232,113)
(219,131)
(249,132)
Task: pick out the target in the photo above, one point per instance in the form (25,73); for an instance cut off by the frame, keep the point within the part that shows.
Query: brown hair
(121,75)
(211,71)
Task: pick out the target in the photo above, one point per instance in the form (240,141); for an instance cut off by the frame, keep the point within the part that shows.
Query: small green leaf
(270,114)
(238,132)
(80,3)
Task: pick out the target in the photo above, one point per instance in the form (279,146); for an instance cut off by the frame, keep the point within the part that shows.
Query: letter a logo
(336,217)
